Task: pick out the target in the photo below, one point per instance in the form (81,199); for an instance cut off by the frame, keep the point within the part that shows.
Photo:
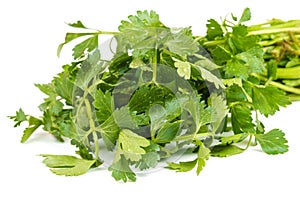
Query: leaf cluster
(160,92)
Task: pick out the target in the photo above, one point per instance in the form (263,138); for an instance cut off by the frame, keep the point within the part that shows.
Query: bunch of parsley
(277,39)
(280,40)
(160,95)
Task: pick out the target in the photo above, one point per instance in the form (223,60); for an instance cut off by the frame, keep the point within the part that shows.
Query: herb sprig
(165,92)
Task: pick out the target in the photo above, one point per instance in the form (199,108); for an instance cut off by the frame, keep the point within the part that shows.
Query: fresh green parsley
(165,90)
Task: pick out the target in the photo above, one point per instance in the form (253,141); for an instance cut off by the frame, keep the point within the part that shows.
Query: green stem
(154,65)
(288,73)
(92,125)
(267,42)
(193,136)
(278,85)
(89,114)
(197,38)
(272,31)
(294,97)
(96,142)
(285,87)
(249,98)
(273,24)
(249,142)
(107,33)
(213,43)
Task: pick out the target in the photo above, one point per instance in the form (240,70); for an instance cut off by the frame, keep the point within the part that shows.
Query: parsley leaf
(267,99)
(225,150)
(77,24)
(19,117)
(109,132)
(234,93)
(219,110)
(64,87)
(245,63)
(207,75)
(131,145)
(272,142)
(67,165)
(183,69)
(141,20)
(168,132)
(89,69)
(150,158)
(181,44)
(157,115)
(220,55)
(182,166)
(203,155)
(123,118)
(88,44)
(104,105)
(121,170)
(214,30)
(70,37)
(239,40)
(34,123)
(246,16)
(233,138)
(205,114)
(241,119)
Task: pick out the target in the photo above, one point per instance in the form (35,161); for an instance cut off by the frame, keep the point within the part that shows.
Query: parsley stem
(271,25)
(96,142)
(92,124)
(249,98)
(285,87)
(288,73)
(294,97)
(107,33)
(197,38)
(266,43)
(193,136)
(272,31)
(154,65)
(249,141)
(278,85)
(213,43)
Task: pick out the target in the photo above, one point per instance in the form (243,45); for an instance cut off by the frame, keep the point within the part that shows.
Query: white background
(29,34)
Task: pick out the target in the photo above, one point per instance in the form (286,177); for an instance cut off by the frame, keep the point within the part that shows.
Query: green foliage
(202,156)
(272,142)
(121,170)
(19,117)
(183,166)
(243,64)
(236,138)
(241,119)
(225,150)
(214,30)
(131,145)
(141,20)
(151,158)
(162,93)
(268,99)
(67,165)
(34,123)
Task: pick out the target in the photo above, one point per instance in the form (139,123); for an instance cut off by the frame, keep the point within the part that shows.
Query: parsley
(165,90)
(272,142)
(67,165)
